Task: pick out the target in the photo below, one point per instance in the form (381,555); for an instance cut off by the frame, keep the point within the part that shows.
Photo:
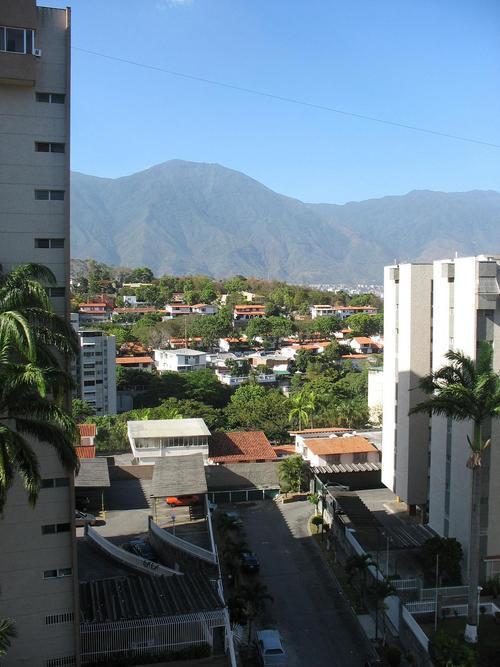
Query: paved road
(317,626)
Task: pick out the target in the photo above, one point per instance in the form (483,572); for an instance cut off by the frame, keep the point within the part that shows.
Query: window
(360,457)
(54,574)
(52,195)
(89,383)
(51,98)
(53,528)
(49,243)
(57,291)
(50,483)
(49,147)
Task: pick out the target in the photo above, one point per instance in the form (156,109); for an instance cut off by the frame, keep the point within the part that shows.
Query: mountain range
(187,217)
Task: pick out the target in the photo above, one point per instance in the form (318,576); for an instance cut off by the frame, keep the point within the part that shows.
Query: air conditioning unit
(37,52)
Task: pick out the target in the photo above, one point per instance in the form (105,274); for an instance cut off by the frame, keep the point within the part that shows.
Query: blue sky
(418,62)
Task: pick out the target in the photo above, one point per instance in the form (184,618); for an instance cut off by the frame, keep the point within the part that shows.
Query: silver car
(270,648)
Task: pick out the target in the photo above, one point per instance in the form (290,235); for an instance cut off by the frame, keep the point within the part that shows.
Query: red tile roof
(123,361)
(330,429)
(354,356)
(240,446)
(352,445)
(285,450)
(87,430)
(363,340)
(86,452)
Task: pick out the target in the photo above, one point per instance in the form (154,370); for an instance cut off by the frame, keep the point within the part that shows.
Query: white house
(155,438)
(176,309)
(363,345)
(180,361)
(338,449)
(204,309)
(326,310)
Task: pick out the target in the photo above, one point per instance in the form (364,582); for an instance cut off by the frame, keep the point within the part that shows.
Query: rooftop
(93,473)
(124,361)
(85,451)
(239,446)
(349,445)
(135,596)
(179,476)
(242,476)
(167,428)
(330,429)
(185,351)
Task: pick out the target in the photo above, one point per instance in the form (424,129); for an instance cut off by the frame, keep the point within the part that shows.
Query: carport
(91,482)
(240,482)
(177,476)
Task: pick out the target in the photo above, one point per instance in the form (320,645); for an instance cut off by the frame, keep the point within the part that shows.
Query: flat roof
(136,597)
(179,475)
(166,428)
(93,473)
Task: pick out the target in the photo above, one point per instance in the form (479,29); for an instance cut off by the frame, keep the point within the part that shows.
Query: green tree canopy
(365,325)
(255,408)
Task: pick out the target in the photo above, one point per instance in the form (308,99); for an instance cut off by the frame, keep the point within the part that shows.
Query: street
(317,626)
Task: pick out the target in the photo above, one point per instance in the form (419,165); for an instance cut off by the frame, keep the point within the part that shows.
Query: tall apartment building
(94,370)
(429,309)
(38,577)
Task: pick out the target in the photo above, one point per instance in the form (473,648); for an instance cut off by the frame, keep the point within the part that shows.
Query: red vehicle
(183,501)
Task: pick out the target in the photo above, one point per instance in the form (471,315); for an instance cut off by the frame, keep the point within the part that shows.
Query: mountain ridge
(189,217)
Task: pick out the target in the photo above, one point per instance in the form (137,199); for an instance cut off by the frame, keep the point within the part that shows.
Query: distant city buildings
(429,309)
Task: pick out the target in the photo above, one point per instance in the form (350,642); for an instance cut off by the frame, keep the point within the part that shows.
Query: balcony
(17,69)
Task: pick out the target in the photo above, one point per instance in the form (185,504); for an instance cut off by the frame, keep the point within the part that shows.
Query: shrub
(393,656)
(317,521)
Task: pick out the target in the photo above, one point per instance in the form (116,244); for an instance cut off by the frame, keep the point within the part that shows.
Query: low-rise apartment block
(180,361)
(343,312)
(245,312)
(156,438)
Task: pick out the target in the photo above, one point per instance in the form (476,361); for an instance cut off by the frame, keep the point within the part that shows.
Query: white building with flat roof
(183,360)
(155,438)
(430,309)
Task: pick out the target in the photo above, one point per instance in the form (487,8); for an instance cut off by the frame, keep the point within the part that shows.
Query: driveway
(317,625)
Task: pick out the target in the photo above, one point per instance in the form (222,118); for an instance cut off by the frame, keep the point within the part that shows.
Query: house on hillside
(363,345)
(176,309)
(144,363)
(245,312)
(240,447)
(342,312)
(341,449)
(94,312)
(204,309)
(183,360)
(155,438)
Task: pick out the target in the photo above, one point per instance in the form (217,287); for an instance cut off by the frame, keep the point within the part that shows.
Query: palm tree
(7,632)
(303,406)
(359,564)
(468,391)
(34,344)
(291,471)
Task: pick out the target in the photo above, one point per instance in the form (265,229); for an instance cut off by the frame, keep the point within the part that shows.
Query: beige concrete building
(38,577)
(429,309)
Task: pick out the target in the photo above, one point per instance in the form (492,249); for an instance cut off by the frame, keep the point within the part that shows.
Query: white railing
(415,628)
(421,607)
(210,528)
(182,545)
(148,635)
(450,591)
(406,584)
(126,558)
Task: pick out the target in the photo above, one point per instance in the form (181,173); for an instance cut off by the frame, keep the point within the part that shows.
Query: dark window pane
(41,243)
(15,40)
(57,98)
(57,243)
(49,574)
(43,97)
(56,148)
(65,572)
(63,527)
(57,291)
(47,483)
(89,383)
(49,529)
(42,146)
(2,39)
(62,481)
(29,41)
(41,194)
(57,195)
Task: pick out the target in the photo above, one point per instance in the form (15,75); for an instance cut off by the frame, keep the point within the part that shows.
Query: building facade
(94,371)
(38,569)
(180,361)
(452,304)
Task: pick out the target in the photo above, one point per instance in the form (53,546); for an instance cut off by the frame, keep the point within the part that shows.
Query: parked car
(270,649)
(143,549)
(249,562)
(183,501)
(82,519)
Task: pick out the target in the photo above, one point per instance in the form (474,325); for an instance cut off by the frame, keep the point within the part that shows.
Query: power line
(290,100)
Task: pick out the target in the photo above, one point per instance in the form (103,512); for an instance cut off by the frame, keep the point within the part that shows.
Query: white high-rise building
(95,370)
(38,575)
(429,309)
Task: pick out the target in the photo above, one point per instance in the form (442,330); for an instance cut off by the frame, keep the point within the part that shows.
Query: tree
(469,392)
(203,386)
(302,360)
(359,564)
(317,521)
(236,284)
(255,596)
(292,471)
(35,344)
(303,407)
(365,325)
(449,551)
(314,499)
(446,650)
(259,327)
(143,274)
(327,326)
(254,408)
(81,410)
(7,632)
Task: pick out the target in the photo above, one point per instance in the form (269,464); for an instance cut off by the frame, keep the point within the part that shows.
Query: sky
(423,63)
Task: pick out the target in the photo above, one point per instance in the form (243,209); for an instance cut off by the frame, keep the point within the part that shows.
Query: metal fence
(148,635)
(406,584)
(450,591)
